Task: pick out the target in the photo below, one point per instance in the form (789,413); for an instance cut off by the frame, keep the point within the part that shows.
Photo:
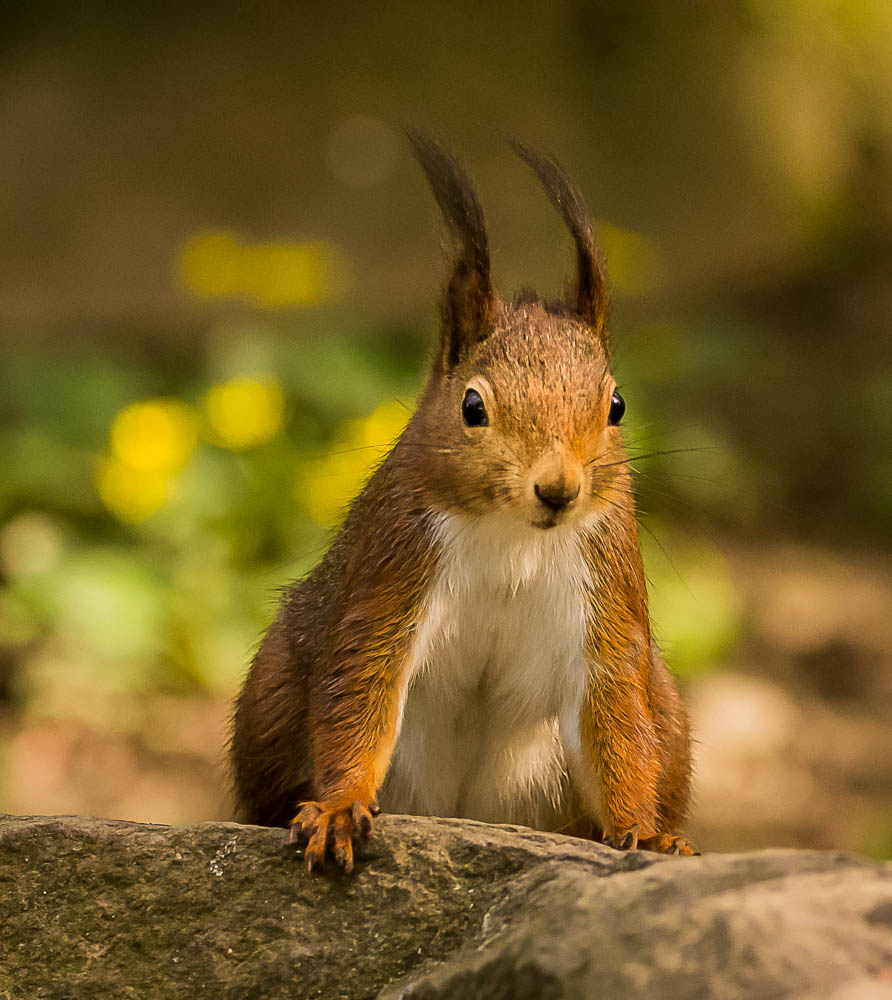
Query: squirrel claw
(343,855)
(668,843)
(627,841)
(362,817)
(630,841)
(303,822)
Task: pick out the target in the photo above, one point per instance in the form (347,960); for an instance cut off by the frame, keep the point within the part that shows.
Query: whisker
(670,560)
(650,454)
(386,448)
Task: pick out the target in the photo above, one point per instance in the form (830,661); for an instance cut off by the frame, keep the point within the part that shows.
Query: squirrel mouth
(546,523)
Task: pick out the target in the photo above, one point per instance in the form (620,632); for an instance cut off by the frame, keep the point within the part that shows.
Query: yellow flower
(271,275)
(245,412)
(149,442)
(210,265)
(327,485)
(154,434)
(131,494)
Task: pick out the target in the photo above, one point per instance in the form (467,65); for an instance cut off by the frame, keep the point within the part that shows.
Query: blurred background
(219,270)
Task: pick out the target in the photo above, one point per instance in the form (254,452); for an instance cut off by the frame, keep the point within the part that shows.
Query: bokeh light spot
(210,265)
(149,442)
(326,486)
(131,493)
(245,412)
(154,434)
(30,544)
(275,275)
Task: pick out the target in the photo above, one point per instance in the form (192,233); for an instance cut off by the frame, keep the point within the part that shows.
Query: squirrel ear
(468,300)
(592,297)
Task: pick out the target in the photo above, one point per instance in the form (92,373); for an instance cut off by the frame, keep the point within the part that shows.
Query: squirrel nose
(557,495)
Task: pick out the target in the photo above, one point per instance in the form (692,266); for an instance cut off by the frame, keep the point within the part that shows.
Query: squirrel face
(525,424)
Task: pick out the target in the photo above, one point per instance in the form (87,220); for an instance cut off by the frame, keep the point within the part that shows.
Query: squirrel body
(476,641)
(494,677)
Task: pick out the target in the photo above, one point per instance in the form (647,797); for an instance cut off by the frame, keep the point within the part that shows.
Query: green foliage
(107,599)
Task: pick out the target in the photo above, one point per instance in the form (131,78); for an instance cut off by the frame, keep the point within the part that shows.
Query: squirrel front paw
(324,826)
(659,843)
(667,843)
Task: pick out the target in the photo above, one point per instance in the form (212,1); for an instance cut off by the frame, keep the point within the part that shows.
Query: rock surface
(438,908)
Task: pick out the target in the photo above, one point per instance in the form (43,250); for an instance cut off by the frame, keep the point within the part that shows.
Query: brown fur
(317,721)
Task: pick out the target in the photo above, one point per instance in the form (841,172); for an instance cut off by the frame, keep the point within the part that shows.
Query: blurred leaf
(41,471)
(343,377)
(18,622)
(696,610)
(106,602)
(72,397)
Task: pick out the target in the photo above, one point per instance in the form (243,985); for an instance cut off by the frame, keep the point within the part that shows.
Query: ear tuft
(592,296)
(468,299)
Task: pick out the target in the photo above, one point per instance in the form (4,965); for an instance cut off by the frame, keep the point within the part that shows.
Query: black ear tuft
(468,300)
(592,296)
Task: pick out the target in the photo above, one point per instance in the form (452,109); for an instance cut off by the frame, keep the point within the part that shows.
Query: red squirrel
(476,641)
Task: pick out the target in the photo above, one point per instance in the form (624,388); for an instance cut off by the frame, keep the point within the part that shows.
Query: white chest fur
(495,677)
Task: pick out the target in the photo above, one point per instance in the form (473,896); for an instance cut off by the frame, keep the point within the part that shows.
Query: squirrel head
(521,412)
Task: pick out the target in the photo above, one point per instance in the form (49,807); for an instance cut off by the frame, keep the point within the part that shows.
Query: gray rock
(438,908)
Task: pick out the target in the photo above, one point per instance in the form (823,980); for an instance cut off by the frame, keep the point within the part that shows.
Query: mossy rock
(437,908)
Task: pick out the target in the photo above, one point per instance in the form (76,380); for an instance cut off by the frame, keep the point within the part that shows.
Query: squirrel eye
(617,409)
(472,409)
